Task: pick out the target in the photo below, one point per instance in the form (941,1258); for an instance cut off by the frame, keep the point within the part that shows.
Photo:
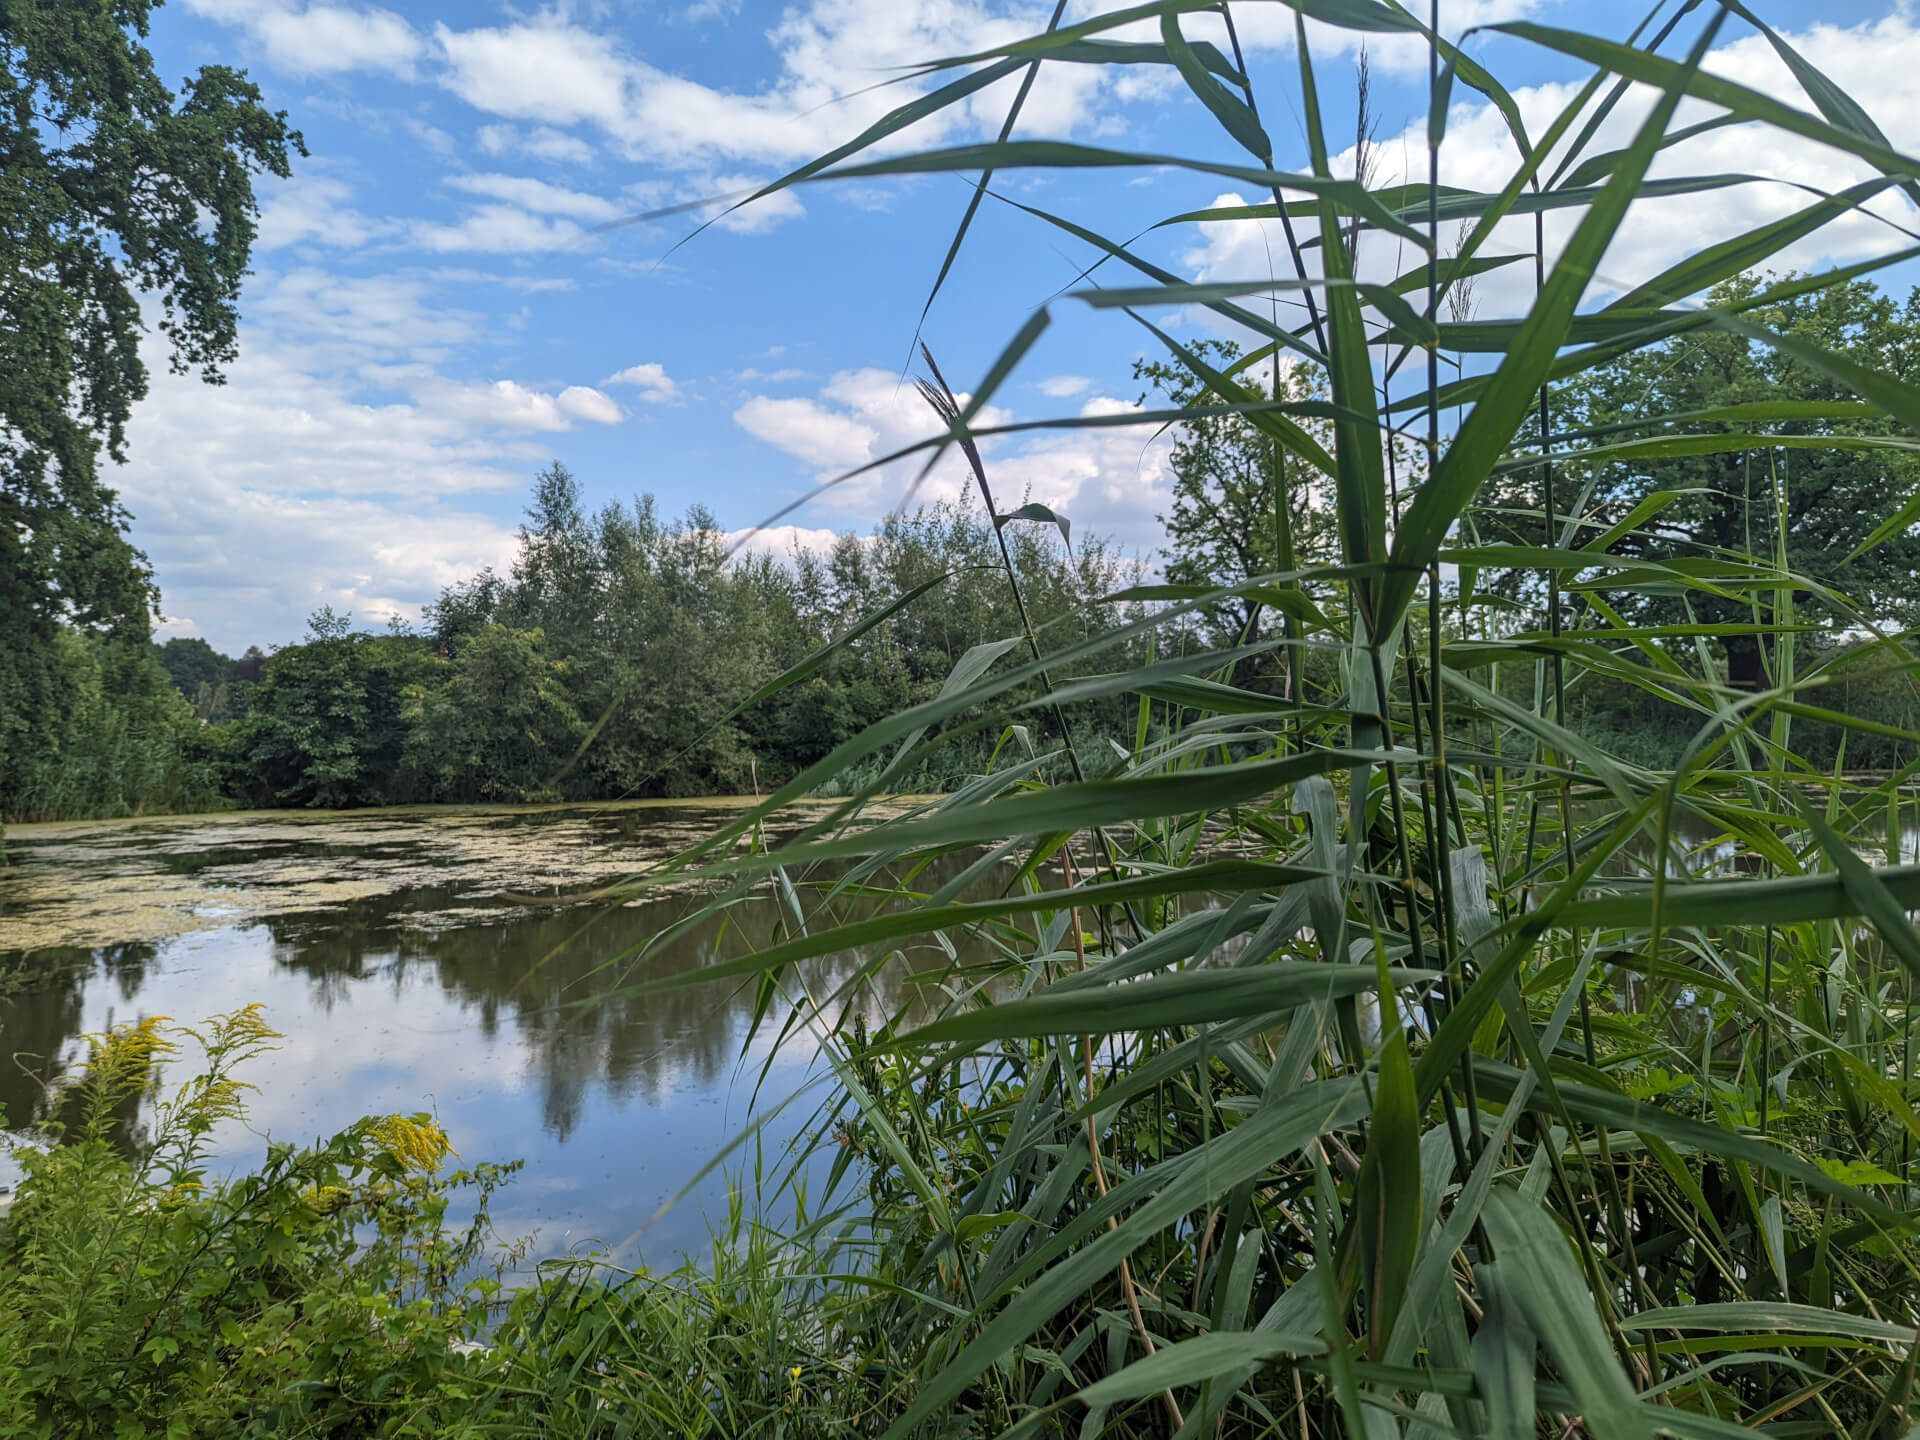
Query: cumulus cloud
(1112,482)
(321,39)
(543,142)
(344,462)
(312,210)
(1063,387)
(552,70)
(498,230)
(538,196)
(650,379)
(509,405)
(1867,61)
(782,541)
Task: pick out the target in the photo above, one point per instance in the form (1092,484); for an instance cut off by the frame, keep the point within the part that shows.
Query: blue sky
(434,314)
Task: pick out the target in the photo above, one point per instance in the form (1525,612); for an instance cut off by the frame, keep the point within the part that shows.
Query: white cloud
(651,379)
(808,431)
(543,142)
(1061,387)
(554,71)
(510,405)
(1108,481)
(1869,62)
(547,71)
(537,196)
(499,230)
(321,39)
(340,464)
(781,541)
(312,209)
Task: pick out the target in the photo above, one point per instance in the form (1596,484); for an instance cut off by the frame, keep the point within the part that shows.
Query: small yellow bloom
(415,1144)
(796,1372)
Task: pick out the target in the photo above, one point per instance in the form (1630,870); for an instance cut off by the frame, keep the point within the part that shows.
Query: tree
(112,188)
(191,662)
(1227,523)
(502,727)
(331,723)
(1726,503)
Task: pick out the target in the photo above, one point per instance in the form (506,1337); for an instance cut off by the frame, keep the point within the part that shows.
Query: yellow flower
(796,1372)
(121,1061)
(325,1199)
(417,1144)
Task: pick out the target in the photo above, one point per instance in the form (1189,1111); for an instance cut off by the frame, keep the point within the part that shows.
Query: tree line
(606,662)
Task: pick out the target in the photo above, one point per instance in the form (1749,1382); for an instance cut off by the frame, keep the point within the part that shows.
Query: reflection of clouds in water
(519,1026)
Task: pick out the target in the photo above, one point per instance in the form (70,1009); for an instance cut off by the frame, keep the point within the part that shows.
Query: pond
(404,960)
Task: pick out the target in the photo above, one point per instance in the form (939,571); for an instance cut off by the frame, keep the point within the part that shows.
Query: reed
(1379,1061)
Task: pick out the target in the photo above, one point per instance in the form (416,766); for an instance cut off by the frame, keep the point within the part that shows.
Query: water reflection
(516,1023)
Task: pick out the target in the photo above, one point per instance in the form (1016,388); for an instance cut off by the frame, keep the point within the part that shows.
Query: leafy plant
(1379,1065)
(321,1294)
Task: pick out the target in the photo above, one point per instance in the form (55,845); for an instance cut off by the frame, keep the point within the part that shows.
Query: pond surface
(399,955)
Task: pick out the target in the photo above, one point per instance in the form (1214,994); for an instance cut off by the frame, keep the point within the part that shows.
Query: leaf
(1388,1217)
(1360,482)
(1779,901)
(1539,1275)
(1232,113)
(1345,195)
(1768,1315)
(1856,1172)
(1743,252)
(1034,510)
(1503,1359)
(1187,997)
(1205,1357)
(1867,891)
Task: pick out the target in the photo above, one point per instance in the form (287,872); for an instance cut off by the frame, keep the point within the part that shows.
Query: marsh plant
(1364,1055)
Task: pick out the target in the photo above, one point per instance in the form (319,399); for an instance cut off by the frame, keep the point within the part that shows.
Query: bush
(91,727)
(318,1295)
(322,1295)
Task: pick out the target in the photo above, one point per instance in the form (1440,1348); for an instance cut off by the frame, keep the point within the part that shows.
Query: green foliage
(319,1295)
(92,727)
(112,187)
(617,656)
(502,727)
(201,674)
(326,1292)
(1227,522)
(1385,1067)
(329,724)
(1624,451)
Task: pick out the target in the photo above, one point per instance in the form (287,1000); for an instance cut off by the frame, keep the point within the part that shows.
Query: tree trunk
(1744,670)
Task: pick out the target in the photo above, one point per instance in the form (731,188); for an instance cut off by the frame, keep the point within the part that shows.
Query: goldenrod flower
(417,1144)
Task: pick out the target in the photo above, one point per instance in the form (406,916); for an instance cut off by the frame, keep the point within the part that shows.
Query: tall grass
(1339,1073)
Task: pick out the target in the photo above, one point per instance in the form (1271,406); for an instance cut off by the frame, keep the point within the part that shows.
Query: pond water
(398,954)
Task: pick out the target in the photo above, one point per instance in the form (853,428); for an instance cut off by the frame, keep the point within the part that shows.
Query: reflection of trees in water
(39,1026)
(562,979)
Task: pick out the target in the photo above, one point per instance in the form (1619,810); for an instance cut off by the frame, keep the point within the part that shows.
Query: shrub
(318,1295)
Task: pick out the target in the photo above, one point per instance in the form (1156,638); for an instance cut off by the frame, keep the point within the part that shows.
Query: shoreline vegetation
(1346,1044)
